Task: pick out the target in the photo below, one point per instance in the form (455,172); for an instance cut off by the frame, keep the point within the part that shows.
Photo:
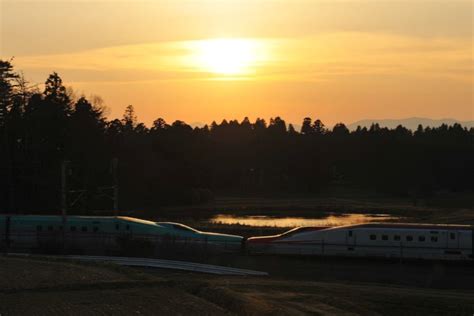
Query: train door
(453,239)
(351,238)
(128,229)
(472,244)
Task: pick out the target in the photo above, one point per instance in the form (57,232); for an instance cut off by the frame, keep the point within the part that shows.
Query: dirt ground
(45,287)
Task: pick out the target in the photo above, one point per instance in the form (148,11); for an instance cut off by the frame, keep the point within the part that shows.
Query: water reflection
(329,220)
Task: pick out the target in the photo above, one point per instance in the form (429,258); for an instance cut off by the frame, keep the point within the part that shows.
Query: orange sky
(335,60)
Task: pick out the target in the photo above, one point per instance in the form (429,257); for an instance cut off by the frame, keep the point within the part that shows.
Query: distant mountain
(197,124)
(410,123)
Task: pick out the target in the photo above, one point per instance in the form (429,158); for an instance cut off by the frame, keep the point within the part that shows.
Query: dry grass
(38,287)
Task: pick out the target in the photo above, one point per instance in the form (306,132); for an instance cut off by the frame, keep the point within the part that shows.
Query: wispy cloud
(324,57)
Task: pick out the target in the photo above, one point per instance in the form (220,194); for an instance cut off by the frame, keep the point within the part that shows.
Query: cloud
(46,27)
(325,57)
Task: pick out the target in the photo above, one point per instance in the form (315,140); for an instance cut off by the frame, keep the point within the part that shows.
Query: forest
(42,131)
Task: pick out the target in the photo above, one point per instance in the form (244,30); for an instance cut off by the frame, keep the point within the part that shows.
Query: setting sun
(227,56)
(262,145)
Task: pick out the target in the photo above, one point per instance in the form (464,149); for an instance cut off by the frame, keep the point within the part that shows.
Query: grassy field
(45,287)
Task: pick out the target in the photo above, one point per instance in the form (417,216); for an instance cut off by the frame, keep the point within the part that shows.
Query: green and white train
(127,235)
(104,232)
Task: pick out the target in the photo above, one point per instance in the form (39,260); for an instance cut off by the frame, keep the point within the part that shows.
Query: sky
(205,60)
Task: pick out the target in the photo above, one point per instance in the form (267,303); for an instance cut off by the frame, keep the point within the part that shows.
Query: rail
(160,264)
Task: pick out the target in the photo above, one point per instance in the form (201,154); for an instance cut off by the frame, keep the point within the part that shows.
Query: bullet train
(417,241)
(88,232)
(386,240)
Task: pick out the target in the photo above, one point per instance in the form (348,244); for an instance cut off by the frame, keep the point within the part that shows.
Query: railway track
(162,264)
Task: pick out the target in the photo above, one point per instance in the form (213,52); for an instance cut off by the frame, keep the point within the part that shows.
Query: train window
(421,238)
(373,237)
(39,228)
(84,228)
(50,228)
(434,238)
(396,237)
(409,238)
(96,229)
(384,237)
(127,227)
(73,228)
(452,236)
(350,233)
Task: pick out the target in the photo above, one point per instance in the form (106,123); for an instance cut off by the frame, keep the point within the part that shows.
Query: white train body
(417,241)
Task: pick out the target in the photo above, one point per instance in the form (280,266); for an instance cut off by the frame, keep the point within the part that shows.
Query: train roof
(47,217)
(305,229)
(410,226)
(136,220)
(80,217)
(178,226)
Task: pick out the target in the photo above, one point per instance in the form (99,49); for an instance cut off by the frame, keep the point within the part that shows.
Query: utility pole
(64,171)
(10,205)
(70,197)
(112,191)
(116,186)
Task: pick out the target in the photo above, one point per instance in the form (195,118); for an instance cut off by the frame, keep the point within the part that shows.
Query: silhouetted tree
(306,127)
(340,130)
(55,92)
(419,130)
(245,124)
(291,130)
(319,128)
(277,125)
(159,124)
(7,85)
(260,124)
(177,164)
(129,118)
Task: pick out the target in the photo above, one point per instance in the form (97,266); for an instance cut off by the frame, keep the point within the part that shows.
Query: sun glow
(227,57)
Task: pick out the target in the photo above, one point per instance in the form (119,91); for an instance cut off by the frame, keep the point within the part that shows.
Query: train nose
(260,244)
(261,240)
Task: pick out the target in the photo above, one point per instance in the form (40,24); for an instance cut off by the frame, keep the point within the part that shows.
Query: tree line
(177,164)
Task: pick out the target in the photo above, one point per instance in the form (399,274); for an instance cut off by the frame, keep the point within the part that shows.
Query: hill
(410,123)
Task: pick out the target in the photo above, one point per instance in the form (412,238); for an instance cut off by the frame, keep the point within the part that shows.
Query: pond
(327,220)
